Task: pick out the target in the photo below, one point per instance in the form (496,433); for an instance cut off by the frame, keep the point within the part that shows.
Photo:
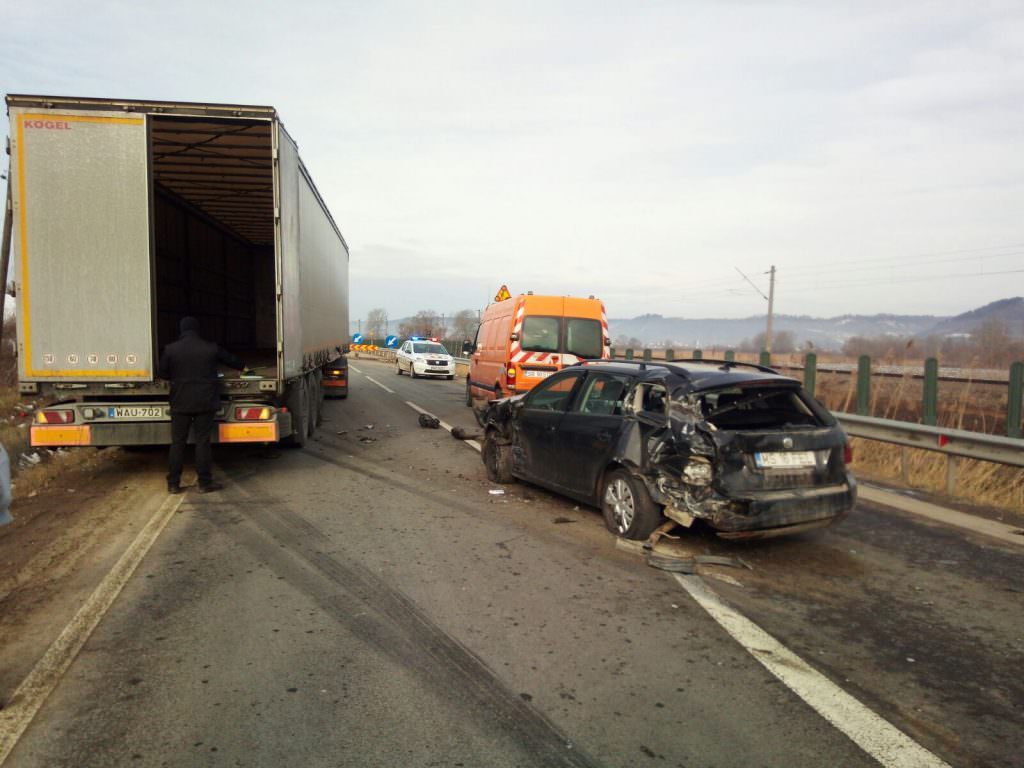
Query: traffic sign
(503,294)
(357,338)
(391,341)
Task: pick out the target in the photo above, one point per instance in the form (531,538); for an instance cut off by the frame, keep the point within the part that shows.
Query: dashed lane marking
(386,389)
(444,425)
(29,697)
(884,742)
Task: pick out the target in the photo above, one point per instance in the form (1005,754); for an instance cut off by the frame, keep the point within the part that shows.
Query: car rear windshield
(583,338)
(760,407)
(429,348)
(540,334)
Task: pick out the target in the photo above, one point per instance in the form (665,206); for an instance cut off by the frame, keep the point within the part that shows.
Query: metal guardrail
(952,442)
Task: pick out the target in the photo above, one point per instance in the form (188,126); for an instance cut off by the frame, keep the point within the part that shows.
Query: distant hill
(823,332)
(1009,312)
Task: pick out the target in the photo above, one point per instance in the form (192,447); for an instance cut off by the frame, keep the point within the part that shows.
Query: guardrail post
(730,355)
(864,385)
(698,354)
(951,466)
(1013,404)
(930,405)
(810,372)
(647,355)
(670,355)
(766,358)
(629,353)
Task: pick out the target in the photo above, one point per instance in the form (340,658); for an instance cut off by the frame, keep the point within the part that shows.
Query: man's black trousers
(201,425)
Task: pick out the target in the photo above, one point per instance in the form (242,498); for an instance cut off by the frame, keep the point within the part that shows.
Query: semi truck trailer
(129,216)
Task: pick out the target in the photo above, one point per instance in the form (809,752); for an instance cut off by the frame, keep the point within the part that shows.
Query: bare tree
(377,323)
(426,322)
(464,324)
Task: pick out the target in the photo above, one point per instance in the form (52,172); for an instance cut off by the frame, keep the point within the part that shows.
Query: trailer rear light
(55,417)
(249,413)
(337,373)
(848,454)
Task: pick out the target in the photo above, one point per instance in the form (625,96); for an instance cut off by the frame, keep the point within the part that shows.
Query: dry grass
(981,483)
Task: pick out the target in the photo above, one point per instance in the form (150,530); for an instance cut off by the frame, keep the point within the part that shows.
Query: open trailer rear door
(82,256)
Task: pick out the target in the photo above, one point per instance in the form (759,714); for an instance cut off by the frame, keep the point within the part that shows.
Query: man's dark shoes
(210,487)
(173,488)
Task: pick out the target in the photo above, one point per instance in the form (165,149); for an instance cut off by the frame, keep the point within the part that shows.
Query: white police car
(420,356)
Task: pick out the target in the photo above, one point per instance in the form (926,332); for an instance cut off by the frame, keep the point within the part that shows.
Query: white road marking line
(386,389)
(16,716)
(996,530)
(354,368)
(444,425)
(876,736)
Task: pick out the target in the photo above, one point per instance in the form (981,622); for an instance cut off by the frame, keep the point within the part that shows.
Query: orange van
(526,338)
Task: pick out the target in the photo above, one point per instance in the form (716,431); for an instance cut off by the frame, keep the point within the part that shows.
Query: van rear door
(82,254)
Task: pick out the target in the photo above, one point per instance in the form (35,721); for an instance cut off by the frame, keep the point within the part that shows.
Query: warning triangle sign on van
(502,294)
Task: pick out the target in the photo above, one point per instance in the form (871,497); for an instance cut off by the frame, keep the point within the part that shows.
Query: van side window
(540,334)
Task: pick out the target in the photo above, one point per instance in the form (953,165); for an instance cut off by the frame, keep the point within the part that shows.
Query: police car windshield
(428,348)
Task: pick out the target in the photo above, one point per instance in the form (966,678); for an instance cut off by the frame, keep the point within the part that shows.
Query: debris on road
(343,432)
(366,439)
(461,433)
(731,562)
(496,492)
(561,520)
(429,422)
(367,426)
(672,564)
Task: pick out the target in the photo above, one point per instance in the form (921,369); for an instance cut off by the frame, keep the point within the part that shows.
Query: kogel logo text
(49,125)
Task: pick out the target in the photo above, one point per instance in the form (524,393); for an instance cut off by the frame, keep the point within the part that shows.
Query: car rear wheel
(627,506)
(497,460)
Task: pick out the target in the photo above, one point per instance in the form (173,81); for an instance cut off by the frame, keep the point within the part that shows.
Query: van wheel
(627,506)
(469,393)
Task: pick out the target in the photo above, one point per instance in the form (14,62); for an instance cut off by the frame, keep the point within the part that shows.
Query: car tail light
(510,375)
(55,417)
(848,454)
(252,413)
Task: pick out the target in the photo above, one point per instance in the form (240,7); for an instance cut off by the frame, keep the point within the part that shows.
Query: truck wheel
(497,460)
(298,405)
(627,506)
(313,416)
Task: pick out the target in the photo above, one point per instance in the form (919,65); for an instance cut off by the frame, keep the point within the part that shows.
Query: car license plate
(785,460)
(537,374)
(135,412)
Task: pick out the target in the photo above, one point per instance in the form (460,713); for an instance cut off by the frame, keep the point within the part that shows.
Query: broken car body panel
(743,448)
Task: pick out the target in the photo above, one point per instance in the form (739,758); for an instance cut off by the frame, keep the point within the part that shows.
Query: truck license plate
(785,460)
(135,412)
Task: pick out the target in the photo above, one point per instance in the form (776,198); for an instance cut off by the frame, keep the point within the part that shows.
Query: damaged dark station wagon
(738,446)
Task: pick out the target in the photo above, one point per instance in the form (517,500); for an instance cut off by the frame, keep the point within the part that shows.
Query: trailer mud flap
(51,436)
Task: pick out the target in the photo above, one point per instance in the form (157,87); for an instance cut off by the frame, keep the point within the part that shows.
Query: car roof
(696,375)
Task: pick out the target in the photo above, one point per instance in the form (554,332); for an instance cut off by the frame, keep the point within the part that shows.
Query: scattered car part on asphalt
(427,421)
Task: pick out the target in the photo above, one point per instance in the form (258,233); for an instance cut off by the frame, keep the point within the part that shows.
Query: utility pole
(771,307)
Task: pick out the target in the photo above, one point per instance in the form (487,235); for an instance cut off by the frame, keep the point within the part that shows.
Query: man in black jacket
(190,363)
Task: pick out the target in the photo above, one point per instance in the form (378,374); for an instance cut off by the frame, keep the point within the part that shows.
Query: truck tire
(312,419)
(628,509)
(297,401)
(321,395)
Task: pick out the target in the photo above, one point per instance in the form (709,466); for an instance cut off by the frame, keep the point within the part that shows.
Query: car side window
(603,394)
(651,399)
(552,395)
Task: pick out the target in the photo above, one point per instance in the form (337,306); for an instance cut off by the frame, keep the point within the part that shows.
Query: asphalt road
(367,601)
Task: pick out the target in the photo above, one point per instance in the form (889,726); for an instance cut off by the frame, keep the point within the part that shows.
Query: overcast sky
(642,152)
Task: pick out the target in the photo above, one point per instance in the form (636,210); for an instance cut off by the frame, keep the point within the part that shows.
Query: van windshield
(583,338)
(540,334)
